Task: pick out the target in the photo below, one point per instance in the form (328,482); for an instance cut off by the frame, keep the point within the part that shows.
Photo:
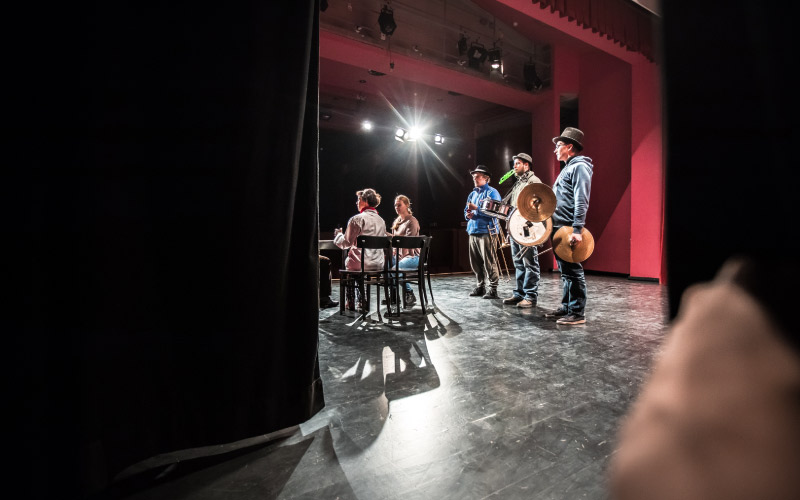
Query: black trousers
(325,276)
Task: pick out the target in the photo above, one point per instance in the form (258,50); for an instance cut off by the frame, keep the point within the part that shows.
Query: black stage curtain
(169,254)
(730,126)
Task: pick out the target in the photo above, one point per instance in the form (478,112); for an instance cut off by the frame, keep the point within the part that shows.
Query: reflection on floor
(472,400)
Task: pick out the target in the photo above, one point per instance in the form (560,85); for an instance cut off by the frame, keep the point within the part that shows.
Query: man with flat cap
(526,293)
(572,188)
(482,257)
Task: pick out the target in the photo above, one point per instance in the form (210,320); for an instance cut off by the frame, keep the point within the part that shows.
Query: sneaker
(571,319)
(555,313)
(526,303)
(410,300)
(515,299)
(491,294)
(478,290)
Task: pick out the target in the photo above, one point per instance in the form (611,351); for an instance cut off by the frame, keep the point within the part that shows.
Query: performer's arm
(582,187)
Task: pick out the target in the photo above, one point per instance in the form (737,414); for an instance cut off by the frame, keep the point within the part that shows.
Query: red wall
(605,118)
(647,174)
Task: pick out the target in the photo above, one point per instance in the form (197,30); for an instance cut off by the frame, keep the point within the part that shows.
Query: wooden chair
(418,275)
(363,278)
(428,243)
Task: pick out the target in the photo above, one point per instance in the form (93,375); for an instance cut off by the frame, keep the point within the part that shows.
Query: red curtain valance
(622,21)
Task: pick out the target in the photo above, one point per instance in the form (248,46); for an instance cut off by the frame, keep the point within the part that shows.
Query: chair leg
(389,292)
(396,291)
(341,295)
(428,288)
(361,300)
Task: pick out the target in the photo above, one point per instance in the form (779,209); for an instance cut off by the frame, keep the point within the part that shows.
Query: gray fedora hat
(523,157)
(571,135)
(481,169)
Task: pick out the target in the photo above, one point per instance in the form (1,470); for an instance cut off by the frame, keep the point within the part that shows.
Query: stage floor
(474,400)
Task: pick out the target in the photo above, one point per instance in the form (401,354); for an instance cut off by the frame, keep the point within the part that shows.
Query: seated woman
(366,222)
(406,225)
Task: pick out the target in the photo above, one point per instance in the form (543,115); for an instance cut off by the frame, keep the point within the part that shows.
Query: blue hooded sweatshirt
(572,188)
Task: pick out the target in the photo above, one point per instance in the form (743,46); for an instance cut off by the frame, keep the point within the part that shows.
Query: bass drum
(528,233)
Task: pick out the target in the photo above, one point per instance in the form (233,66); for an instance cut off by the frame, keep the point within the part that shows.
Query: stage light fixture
(438,139)
(495,55)
(477,54)
(532,80)
(414,134)
(386,22)
(400,134)
(462,45)
(366,125)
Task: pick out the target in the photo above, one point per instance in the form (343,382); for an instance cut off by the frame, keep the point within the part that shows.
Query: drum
(528,233)
(496,209)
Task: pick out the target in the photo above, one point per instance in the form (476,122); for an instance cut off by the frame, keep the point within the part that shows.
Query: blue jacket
(480,223)
(572,188)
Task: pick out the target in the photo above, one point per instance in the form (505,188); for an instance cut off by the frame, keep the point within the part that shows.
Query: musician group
(534,213)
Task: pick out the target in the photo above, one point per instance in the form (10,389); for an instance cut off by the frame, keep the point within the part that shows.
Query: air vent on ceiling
(375,73)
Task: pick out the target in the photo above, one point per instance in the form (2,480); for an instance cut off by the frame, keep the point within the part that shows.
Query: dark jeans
(573,285)
(527,271)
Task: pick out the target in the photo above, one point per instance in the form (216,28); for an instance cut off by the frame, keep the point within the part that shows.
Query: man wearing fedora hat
(482,257)
(572,188)
(526,261)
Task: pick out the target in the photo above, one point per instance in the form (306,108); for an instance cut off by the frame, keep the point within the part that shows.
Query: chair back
(375,243)
(399,242)
(426,258)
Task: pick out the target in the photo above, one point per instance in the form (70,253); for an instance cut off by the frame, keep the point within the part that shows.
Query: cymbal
(536,202)
(577,253)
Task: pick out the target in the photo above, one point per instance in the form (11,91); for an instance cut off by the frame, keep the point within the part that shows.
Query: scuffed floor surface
(473,400)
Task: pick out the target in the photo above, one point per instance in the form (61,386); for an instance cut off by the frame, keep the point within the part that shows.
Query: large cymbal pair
(537,203)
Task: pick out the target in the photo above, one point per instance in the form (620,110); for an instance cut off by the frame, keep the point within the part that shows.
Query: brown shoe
(526,303)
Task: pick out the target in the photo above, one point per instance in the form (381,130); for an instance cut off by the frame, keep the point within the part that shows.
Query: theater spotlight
(386,22)
(400,134)
(366,125)
(495,55)
(477,54)
(438,139)
(532,80)
(462,45)
(414,134)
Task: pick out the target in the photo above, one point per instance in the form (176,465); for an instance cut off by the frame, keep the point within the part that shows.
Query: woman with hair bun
(366,222)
